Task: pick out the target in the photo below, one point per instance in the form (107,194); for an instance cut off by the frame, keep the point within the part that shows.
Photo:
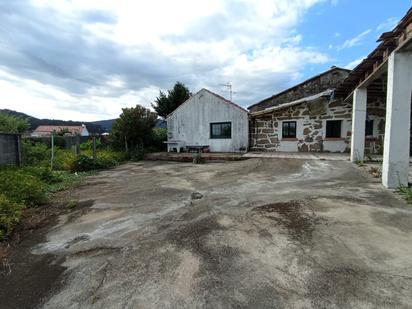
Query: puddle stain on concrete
(295,216)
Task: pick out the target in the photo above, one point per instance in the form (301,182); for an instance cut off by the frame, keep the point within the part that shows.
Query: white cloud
(354,63)
(355,40)
(91,58)
(387,25)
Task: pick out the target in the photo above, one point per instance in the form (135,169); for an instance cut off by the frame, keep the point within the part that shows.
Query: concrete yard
(258,233)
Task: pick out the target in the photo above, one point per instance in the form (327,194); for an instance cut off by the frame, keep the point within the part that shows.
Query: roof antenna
(230,88)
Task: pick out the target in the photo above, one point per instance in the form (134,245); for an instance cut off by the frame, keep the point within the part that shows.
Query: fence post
(52,151)
(77,141)
(94,147)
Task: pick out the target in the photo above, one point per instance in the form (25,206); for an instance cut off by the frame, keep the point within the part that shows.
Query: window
(221,130)
(369,128)
(333,128)
(289,129)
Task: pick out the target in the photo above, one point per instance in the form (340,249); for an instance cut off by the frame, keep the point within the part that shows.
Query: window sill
(331,139)
(289,139)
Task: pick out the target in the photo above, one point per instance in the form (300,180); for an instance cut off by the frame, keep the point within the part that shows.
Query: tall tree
(133,127)
(166,103)
(12,124)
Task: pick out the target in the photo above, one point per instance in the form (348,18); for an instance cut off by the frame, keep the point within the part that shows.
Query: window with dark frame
(221,130)
(369,127)
(289,129)
(333,128)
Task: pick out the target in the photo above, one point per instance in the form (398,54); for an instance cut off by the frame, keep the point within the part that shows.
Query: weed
(406,192)
(71,204)
(359,163)
(375,172)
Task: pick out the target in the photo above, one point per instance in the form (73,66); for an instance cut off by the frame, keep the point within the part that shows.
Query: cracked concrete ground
(262,233)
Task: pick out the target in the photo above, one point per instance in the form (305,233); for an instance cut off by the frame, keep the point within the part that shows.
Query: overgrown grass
(29,187)
(35,183)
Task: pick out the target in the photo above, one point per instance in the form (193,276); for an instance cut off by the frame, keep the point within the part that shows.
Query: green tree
(133,127)
(166,103)
(12,124)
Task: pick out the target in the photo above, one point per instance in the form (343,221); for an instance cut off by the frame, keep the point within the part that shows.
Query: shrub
(88,145)
(83,163)
(35,153)
(44,173)
(10,213)
(159,136)
(104,159)
(64,159)
(21,187)
(137,153)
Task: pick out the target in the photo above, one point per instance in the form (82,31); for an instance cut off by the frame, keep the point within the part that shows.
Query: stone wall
(311,120)
(266,129)
(317,84)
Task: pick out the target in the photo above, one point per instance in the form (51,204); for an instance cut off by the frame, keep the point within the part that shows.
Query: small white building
(210,121)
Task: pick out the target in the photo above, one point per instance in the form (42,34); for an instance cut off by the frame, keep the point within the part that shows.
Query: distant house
(43,131)
(208,120)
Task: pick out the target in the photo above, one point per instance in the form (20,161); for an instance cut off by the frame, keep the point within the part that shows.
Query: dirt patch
(294,216)
(27,279)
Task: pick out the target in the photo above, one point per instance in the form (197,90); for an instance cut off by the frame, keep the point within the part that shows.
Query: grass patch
(406,193)
(67,180)
(29,187)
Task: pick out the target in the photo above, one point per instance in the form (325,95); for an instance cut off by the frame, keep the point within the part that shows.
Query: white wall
(190,123)
(332,145)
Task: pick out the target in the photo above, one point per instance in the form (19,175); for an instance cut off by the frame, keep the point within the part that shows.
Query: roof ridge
(299,84)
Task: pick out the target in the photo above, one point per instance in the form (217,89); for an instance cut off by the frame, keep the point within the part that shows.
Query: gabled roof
(50,129)
(308,99)
(214,94)
(333,68)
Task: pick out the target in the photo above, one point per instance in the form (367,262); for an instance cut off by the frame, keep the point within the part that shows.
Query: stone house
(207,120)
(309,117)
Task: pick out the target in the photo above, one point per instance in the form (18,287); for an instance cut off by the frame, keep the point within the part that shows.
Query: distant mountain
(92,127)
(105,124)
(99,126)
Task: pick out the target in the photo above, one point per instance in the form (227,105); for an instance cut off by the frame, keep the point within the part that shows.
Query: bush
(63,159)
(35,153)
(10,213)
(88,145)
(159,136)
(83,163)
(104,159)
(137,153)
(19,186)
(44,173)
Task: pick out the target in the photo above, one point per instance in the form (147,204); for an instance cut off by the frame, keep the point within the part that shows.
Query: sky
(85,60)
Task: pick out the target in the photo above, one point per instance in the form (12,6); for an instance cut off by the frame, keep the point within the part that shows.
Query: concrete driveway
(259,233)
